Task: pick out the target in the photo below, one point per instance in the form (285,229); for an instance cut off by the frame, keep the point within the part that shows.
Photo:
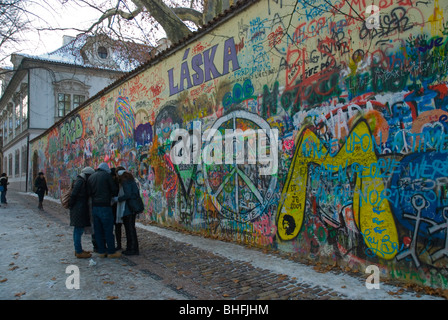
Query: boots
(83,255)
(117,254)
(40,207)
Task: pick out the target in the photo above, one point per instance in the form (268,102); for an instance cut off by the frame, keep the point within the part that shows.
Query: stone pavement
(37,247)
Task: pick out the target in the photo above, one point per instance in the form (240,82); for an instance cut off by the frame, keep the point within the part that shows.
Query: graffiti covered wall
(360,112)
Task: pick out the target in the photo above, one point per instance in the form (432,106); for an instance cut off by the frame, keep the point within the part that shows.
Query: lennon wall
(361,115)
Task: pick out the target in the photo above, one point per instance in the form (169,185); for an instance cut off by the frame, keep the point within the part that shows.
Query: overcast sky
(51,13)
(59,16)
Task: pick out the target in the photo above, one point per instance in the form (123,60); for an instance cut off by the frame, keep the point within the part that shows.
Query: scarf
(120,207)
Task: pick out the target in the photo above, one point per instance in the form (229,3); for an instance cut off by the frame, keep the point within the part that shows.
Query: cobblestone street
(37,246)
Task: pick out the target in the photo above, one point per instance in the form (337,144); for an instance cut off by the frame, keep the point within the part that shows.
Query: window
(5,131)
(70,94)
(24,160)
(10,125)
(10,164)
(25,108)
(78,100)
(64,104)
(17,163)
(102,52)
(18,114)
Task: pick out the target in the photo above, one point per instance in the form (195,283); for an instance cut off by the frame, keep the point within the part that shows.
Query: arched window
(69,95)
(102,52)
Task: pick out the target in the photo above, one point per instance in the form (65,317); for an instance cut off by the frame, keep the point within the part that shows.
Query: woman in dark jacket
(128,192)
(80,211)
(40,185)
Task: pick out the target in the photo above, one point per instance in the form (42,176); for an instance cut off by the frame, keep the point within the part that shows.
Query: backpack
(136,203)
(65,196)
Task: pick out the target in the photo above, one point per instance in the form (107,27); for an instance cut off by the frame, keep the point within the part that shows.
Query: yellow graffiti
(436,20)
(369,205)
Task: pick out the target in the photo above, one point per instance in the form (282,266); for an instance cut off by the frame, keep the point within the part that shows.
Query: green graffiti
(71,130)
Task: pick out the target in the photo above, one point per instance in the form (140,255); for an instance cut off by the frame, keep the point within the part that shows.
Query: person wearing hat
(4,183)
(40,187)
(80,210)
(102,189)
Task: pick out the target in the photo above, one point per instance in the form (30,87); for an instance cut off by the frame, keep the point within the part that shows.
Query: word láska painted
(202,67)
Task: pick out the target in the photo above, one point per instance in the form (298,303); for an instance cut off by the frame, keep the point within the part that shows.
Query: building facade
(40,90)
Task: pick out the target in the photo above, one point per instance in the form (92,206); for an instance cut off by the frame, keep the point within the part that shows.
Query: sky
(51,13)
(59,16)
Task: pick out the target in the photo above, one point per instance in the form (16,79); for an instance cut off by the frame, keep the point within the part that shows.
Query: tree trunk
(175,29)
(213,8)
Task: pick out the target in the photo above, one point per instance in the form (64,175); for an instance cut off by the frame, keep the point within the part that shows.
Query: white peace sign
(261,196)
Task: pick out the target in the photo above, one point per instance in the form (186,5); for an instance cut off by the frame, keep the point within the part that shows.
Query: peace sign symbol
(238,191)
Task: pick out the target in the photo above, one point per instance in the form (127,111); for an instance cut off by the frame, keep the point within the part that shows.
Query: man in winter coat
(40,186)
(102,189)
(80,210)
(4,183)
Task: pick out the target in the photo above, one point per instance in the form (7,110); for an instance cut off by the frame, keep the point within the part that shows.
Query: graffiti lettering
(205,73)
(71,130)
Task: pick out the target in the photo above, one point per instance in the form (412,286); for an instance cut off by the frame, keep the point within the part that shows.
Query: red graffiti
(442,89)
(199,48)
(156,90)
(307,81)
(239,46)
(275,38)
(358,7)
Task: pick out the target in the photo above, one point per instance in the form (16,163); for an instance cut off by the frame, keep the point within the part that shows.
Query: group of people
(101,197)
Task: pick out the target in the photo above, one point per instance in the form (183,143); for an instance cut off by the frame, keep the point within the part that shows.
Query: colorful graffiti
(362,120)
(125,117)
(338,185)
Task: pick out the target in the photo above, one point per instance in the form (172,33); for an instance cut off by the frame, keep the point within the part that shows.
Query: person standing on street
(128,192)
(80,211)
(4,183)
(40,187)
(102,189)
(117,221)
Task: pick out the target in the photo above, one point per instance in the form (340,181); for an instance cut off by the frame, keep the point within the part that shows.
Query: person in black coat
(4,183)
(102,189)
(80,210)
(128,192)
(40,187)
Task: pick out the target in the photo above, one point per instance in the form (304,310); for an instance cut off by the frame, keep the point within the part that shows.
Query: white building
(40,90)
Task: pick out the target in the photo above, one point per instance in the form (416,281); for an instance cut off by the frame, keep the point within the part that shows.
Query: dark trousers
(103,226)
(118,235)
(3,197)
(40,195)
(131,234)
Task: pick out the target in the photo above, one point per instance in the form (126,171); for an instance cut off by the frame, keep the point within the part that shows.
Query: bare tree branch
(113,12)
(188,14)
(171,17)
